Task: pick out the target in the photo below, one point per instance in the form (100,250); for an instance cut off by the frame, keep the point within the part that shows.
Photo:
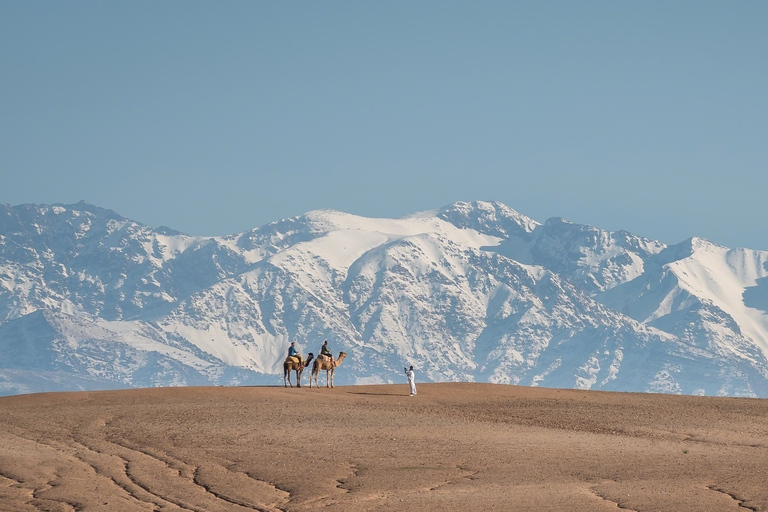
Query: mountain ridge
(473,291)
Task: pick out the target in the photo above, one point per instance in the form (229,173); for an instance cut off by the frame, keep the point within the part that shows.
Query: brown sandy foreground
(451,447)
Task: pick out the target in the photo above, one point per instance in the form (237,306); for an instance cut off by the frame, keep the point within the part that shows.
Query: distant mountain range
(471,292)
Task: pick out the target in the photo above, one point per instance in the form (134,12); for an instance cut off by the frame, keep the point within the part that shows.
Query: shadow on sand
(377,394)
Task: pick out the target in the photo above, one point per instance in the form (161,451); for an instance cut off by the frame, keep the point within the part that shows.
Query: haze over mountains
(471,292)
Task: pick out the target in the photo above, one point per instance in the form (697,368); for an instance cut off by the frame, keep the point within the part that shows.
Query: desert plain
(454,446)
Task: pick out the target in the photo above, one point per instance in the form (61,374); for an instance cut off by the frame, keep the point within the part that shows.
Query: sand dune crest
(453,447)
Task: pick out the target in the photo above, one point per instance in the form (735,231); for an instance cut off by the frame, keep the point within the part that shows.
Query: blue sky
(217,117)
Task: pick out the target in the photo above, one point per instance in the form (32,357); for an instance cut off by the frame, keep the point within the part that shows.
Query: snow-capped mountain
(471,292)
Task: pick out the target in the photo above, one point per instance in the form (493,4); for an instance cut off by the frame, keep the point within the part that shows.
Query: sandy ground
(451,447)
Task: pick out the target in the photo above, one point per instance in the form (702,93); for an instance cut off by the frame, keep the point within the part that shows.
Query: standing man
(411,379)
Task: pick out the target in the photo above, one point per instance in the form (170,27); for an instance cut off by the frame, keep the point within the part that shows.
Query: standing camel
(329,367)
(291,363)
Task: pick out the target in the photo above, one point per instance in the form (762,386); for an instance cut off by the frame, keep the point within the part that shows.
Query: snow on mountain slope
(703,293)
(299,290)
(722,277)
(100,355)
(472,291)
(95,262)
(592,258)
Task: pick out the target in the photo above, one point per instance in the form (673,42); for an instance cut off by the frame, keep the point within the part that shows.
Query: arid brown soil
(453,447)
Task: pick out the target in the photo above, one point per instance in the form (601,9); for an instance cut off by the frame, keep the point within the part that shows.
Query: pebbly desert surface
(452,447)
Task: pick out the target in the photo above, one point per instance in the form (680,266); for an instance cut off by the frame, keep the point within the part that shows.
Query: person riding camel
(293,352)
(325,350)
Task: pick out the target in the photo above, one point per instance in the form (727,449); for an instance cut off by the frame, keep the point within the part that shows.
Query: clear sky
(216,117)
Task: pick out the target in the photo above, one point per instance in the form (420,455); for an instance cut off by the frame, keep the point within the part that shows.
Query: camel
(329,367)
(291,363)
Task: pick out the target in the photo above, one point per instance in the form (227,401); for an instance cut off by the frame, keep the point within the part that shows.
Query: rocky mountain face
(471,292)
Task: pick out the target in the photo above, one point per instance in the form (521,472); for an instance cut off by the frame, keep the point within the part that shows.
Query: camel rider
(293,352)
(325,350)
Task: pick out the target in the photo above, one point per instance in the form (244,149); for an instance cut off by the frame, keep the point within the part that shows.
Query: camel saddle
(294,359)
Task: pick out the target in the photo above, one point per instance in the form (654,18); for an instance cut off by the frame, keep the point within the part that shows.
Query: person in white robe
(411,379)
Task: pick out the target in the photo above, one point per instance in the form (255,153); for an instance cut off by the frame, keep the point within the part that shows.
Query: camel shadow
(377,394)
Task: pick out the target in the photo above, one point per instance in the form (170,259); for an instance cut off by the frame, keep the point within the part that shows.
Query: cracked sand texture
(364,448)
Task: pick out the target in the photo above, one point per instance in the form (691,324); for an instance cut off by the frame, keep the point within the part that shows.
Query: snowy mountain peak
(692,247)
(492,218)
(696,244)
